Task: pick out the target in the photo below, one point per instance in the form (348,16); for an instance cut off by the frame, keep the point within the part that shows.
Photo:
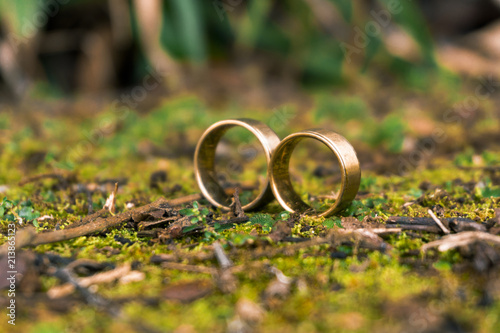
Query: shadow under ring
(280,171)
(204,161)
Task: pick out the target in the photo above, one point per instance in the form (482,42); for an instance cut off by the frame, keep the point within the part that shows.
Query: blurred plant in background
(87,46)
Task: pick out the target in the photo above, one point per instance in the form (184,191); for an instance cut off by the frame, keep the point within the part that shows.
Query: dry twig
(462,239)
(438,222)
(104,277)
(97,222)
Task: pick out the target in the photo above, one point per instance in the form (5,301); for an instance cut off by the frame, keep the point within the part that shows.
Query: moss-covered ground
(335,287)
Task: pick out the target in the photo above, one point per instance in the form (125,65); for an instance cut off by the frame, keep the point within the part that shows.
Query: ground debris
(362,238)
(187,292)
(132,276)
(97,222)
(248,315)
(156,178)
(226,281)
(277,290)
(236,207)
(461,239)
(249,311)
(92,299)
(493,225)
(162,222)
(281,230)
(438,222)
(27,275)
(457,225)
(87,267)
(111,201)
(24,237)
(104,277)
(428,224)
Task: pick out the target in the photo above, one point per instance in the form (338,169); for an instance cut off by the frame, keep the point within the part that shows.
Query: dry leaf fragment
(104,277)
(187,292)
(111,201)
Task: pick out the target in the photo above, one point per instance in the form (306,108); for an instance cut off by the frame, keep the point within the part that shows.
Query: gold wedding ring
(349,166)
(204,161)
(278,156)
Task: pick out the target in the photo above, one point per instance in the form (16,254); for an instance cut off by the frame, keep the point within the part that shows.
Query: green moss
(327,292)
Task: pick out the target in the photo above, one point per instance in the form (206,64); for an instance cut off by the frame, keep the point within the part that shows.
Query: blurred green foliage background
(310,40)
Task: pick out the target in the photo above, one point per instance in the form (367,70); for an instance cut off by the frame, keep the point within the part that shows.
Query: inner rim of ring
(283,182)
(206,165)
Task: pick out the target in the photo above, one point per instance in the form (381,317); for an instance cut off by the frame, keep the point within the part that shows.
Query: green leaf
(25,212)
(204,211)
(186,212)
(355,208)
(28,213)
(488,192)
(183,31)
(195,204)
(7,203)
(333,222)
(35,223)
(195,219)
(265,220)
(190,228)
(220,227)
(2,210)
(374,202)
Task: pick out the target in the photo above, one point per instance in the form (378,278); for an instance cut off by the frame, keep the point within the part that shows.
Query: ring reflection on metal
(349,167)
(204,161)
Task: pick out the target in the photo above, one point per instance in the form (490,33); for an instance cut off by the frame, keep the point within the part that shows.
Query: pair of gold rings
(278,153)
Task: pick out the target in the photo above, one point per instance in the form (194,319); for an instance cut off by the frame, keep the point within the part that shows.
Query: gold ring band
(204,161)
(349,166)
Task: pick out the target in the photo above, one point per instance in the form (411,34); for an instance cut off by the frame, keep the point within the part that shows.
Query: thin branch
(438,222)
(97,222)
(104,277)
